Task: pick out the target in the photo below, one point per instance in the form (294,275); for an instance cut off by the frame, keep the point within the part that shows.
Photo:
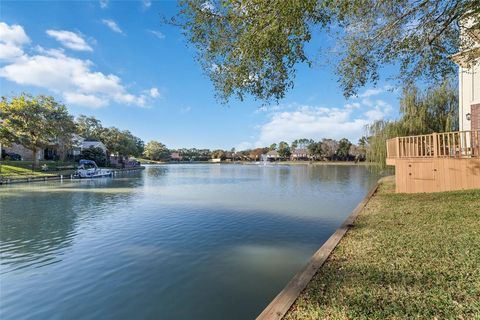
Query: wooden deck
(436,162)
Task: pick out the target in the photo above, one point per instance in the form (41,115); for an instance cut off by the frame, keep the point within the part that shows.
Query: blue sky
(118,62)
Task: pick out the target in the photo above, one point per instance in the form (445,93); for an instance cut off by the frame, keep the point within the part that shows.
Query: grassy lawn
(13,172)
(147,161)
(407,256)
(23,169)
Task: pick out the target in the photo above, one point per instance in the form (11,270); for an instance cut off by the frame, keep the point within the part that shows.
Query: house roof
(272,153)
(95,144)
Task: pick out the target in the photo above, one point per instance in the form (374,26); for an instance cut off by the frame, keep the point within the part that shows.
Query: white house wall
(469,92)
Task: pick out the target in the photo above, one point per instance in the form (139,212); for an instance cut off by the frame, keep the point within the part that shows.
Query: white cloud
(371,92)
(296,121)
(244,145)
(73,78)
(84,100)
(13,34)
(70,40)
(12,40)
(311,122)
(375,91)
(103,4)
(9,51)
(112,25)
(147,3)
(158,34)
(154,93)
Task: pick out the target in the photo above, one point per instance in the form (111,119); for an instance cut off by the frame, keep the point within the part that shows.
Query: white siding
(469,92)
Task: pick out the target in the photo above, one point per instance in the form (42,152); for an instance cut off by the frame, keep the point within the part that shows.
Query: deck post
(435,145)
(397,145)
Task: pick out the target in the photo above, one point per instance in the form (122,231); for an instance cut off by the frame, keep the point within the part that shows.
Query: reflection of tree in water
(35,226)
(156,171)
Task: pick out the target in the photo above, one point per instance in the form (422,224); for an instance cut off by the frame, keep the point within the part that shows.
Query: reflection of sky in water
(174,241)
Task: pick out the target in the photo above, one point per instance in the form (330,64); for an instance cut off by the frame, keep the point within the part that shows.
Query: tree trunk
(35,159)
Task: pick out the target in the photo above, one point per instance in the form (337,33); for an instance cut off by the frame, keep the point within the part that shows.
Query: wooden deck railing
(459,144)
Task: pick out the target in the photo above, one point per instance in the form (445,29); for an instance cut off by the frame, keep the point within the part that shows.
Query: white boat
(89,169)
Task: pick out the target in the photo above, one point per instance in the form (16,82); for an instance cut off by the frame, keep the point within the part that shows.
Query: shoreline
(300,163)
(50,177)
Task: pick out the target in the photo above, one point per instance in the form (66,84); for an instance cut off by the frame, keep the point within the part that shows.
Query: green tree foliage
(284,150)
(272,147)
(249,47)
(219,154)
(343,150)
(315,150)
(96,154)
(155,150)
(120,142)
(89,128)
(301,143)
(435,110)
(194,154)
(34,122)
(252,47)
(419,36)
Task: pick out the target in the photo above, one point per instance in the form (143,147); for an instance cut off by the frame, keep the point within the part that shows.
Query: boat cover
(83,161)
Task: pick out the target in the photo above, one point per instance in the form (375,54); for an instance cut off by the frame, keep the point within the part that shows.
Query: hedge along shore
(284,300)
(50,177)
(408,256)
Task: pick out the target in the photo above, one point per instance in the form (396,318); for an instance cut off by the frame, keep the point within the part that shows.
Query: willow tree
(35,122)
(252,47)
(433,110)
(421,112)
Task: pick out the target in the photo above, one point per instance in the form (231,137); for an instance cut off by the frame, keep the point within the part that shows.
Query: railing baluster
(458,144)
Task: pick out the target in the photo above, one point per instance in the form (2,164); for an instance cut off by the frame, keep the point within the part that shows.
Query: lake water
(192,241)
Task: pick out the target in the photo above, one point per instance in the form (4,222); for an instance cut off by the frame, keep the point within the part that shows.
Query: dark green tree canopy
(343,150)
(34,122)
(155,150)
(117,141)
(252,47)
(284,149)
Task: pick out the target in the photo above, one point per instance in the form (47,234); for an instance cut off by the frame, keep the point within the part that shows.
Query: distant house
(78,145)
(94,144)
(25,153)
(175,156)
(299,154)
(271,155)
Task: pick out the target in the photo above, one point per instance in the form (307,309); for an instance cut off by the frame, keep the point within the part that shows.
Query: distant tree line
(322,150)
